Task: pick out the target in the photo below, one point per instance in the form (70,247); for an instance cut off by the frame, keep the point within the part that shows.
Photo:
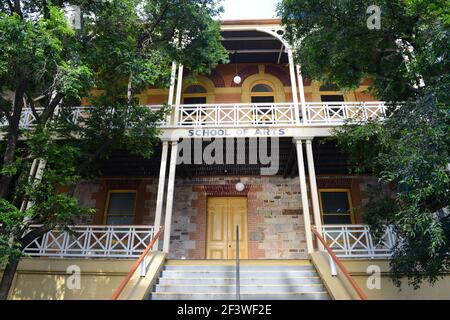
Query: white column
(302,93)
(161,184)
(293,84)
(41,163)
(179,93)
(170,192)
(172,88)
(313,189)
(304,192)
(31,175)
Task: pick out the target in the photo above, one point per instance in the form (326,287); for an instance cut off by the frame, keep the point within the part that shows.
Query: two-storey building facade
(276,173)
(246,146)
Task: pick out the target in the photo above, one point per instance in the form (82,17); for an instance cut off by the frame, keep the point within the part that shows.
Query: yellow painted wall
(441,290)
(241,94)
(340,289)
(45,279)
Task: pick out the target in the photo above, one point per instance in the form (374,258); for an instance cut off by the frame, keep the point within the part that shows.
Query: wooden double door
(223,214)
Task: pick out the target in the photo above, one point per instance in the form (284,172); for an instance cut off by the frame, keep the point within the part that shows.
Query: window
(195,89)
(329,87)
(326,97)
(335,104)
(263,93)
(332,98)
(262,88)
(194,100)
(336,207)
(120,208)
(195,94)
(263,99)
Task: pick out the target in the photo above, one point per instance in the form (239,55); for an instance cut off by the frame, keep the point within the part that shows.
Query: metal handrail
(136,265)
(238,278)
(347,275)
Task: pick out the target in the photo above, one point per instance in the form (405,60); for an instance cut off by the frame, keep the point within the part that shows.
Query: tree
(122,48)
(407,59)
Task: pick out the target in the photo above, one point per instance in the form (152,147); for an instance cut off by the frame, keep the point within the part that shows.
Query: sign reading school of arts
(245,132)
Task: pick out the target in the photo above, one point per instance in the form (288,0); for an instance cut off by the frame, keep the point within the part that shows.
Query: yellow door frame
(230,229)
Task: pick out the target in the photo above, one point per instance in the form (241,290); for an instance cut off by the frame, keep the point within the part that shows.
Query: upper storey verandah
(261,87)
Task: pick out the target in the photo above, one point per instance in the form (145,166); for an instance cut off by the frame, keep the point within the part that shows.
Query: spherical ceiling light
(240,187)
(237,79)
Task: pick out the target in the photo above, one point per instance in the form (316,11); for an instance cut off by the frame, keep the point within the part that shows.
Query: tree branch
(17,8)
(33,108)
(94,156)
(50,109)
(32,235)
(147,34)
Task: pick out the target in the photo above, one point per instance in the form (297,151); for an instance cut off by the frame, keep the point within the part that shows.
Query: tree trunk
(13,138)
(13,262)
(8,277)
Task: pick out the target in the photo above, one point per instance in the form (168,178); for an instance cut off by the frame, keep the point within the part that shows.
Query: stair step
(196,268)
(246,281)
(244,274)
(244,289)
(250,296)
(259,280)
(277,262)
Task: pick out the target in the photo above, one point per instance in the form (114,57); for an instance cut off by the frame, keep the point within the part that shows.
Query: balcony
(333,113)
(247,115)
(86,241)
(274,114)
(356,241)
(236,115)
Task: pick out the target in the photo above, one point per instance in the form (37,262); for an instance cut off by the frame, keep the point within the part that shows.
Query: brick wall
(84,193)
(275,215)
(275,218)
(94,194)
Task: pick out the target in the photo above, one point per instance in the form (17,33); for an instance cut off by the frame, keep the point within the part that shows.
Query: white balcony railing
(338,112)
(356,241)
(93,242)
(28,119)
(242,114)
(86,241)
(236,115)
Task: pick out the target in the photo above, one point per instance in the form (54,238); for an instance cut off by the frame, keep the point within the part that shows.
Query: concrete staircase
(260,280)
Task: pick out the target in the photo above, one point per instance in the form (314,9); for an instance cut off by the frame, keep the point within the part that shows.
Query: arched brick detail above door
(217,79)
(280,74)
(245,73)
